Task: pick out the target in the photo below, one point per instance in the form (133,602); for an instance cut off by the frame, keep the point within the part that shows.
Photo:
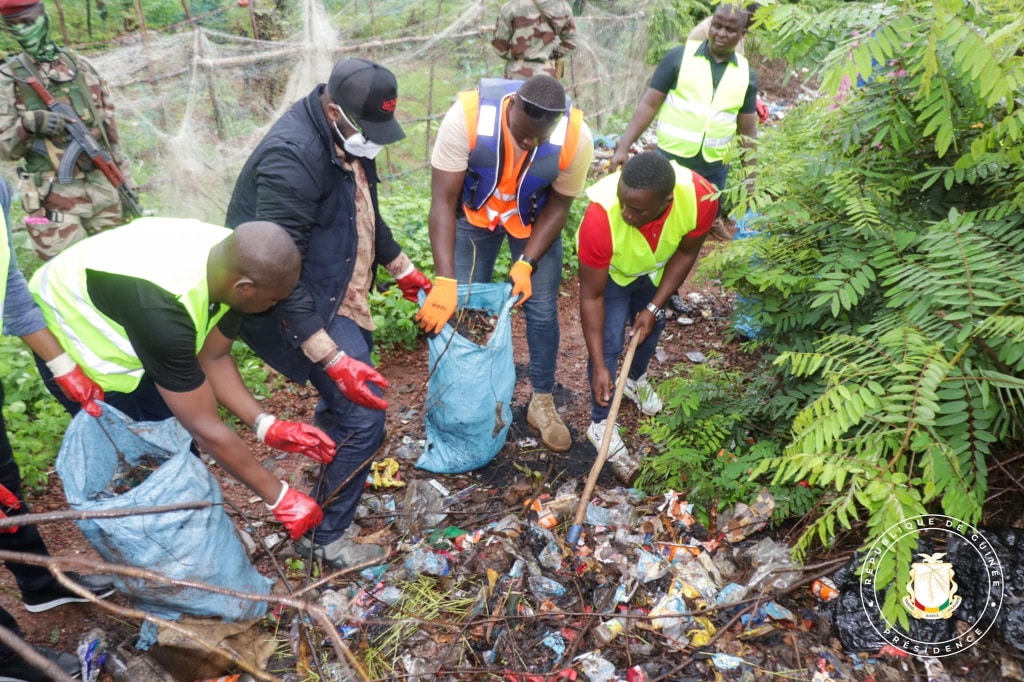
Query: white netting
(193,104)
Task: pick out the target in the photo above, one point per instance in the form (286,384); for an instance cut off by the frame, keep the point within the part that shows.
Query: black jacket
(294,179)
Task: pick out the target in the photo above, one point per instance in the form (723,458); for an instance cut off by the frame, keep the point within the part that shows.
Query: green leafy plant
(713,431)
(35,420)
(886,274)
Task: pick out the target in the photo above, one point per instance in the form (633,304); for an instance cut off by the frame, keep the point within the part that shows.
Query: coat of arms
(931,591)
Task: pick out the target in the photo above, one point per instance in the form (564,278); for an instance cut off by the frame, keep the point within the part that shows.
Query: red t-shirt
(596,232)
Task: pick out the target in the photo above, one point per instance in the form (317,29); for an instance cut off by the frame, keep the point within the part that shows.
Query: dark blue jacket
(294,178)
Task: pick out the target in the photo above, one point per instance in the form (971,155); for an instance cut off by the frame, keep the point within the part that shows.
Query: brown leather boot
(542,415)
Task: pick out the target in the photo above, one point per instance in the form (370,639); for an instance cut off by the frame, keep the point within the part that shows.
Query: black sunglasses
(537,112)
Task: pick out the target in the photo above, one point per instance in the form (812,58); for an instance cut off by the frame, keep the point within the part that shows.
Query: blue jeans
(621,305)
(358,432)
(476,250)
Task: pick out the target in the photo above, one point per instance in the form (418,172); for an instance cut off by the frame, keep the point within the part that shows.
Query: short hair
(264,252)
(544,91)
(650,170)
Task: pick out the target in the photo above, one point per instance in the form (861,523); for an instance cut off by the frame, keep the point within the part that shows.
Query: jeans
(621,305)
(476,250)
(26,539)
(358,431)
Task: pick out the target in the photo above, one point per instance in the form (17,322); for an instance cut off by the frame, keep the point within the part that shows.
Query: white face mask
(356,144)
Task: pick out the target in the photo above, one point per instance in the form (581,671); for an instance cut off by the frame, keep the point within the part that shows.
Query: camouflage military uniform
(57,215)
(534,36)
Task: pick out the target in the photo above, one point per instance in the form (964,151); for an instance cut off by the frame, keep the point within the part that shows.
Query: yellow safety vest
(168,252)
(631,253)
(695,117)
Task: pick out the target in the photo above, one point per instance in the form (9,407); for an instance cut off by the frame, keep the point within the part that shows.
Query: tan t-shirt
(451,152)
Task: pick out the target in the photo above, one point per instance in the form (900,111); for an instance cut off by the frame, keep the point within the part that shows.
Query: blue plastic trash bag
(469,394)
(193,544)
(743,317)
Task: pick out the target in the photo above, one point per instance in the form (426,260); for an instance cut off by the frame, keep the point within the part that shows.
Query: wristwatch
(529,261)
(659,313)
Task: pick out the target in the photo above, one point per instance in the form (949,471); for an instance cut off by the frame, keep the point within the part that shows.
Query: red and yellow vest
(631,253)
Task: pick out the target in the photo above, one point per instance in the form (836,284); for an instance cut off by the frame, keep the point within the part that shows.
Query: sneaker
(623,466)
(342,553)
(543,416)
(15,669)
(642,393)
(56,594)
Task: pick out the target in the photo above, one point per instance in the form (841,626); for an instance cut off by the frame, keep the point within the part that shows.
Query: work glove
(298,512)
(411,283)
(295,437)
(75,384)
(8,502)
(520,276)
(351,375)
(43,122)
(762,110)
(439,306)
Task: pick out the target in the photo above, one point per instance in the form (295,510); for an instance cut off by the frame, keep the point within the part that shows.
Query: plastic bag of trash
(469,393)
(112,462)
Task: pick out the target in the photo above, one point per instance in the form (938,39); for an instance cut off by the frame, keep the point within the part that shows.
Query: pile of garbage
(647,593)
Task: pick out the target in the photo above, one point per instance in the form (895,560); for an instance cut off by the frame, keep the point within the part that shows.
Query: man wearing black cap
(314,175)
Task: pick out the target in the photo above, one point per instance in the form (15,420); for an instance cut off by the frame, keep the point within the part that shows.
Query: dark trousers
(621,305)
(358,432)
(26,539)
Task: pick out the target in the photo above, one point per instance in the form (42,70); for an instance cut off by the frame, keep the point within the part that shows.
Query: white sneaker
(642,393)
(623,466)
(596,433)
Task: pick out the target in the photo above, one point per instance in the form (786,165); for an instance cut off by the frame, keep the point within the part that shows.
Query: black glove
(42,122)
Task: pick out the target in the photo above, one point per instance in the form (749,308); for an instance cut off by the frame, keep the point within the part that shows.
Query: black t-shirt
(158,327)
(666,75)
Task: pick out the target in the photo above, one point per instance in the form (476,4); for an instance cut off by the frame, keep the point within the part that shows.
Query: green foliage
(887,271)
(670,23)
(259,378)
(711,434)
(35,420)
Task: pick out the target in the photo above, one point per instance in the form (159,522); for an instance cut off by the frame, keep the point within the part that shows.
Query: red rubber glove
(521,284)
(8,502)
(762,110)
(350,376)
(439,306)
(297,512)
(75,384)
(411,283)
(298,437)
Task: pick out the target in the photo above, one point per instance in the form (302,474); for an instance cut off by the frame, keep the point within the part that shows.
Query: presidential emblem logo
(945,619)
(931,591)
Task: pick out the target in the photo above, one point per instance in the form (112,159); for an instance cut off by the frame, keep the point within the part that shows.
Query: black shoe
(14,669)
(680,306)
(58,595)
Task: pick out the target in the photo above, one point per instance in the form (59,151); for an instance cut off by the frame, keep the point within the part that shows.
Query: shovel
(613,412)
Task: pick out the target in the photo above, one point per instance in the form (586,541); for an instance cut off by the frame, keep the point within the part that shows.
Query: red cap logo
(389,105)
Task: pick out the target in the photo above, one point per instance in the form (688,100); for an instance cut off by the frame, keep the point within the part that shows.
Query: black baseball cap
(367,92)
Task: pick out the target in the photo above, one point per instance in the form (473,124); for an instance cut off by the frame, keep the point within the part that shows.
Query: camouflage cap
(368,92)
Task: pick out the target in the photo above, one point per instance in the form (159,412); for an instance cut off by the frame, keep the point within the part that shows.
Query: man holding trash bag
(638,240)
(149,312)
(509,159)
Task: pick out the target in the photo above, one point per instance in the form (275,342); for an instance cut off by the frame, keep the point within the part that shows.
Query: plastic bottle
(609,630)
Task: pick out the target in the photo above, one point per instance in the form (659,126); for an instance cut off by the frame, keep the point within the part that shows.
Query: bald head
(255,267)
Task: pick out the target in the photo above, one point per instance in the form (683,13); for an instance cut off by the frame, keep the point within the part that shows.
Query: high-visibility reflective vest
(496,190)
(696,118)
(631,253)
(168,252)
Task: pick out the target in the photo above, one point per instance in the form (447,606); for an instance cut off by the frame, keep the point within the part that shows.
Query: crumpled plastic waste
(383,472)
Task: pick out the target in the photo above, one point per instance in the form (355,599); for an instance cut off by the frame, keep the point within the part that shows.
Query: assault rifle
(82,142)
